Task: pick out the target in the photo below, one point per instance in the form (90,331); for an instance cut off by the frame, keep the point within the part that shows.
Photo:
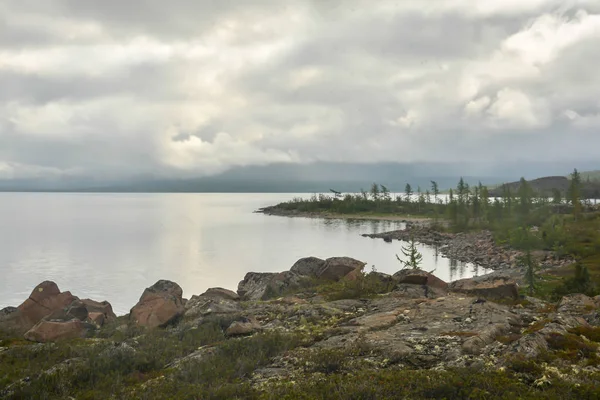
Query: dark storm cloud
(195,87)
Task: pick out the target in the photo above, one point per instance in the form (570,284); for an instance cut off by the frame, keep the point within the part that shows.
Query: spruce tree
(408,191)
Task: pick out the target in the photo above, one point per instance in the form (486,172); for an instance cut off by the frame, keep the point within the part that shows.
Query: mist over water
(112,246)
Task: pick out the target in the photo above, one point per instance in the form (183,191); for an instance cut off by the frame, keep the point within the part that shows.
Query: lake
(112,246)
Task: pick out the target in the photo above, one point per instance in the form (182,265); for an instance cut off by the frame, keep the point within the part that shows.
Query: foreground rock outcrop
(418,323)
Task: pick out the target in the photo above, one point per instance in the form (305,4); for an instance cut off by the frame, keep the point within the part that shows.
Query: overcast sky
(191,87)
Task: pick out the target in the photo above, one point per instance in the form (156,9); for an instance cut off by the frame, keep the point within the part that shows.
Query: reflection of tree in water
(375,226)
(453,268)
(457,269)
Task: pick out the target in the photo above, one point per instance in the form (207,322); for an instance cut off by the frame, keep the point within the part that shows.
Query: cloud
(195,87)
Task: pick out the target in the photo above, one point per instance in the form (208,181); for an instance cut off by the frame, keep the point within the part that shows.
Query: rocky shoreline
(417,322)
(478,248)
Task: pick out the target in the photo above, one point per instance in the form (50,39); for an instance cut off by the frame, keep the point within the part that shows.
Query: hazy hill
(309,178)
(546,185)
(590,175)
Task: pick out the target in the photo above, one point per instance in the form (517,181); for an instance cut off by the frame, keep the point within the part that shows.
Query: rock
(161,304)
(533,344)
(199,355)
(419,277)
(97,318)
(494,288)
(220,293)
(254,285)
(375,321)
(243,327)
(383,278)
(336,268)
(308,266)
(51,331)
(488,335)
(597,301)
(201,306)
(417,291)
(265,285)
(103,307)
(577,304)
(77,310)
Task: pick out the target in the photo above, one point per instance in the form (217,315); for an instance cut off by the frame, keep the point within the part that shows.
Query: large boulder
(336,268)
(308,266)
(419,277)
(45,299)
(494,288)
(161,304)
(220,293)
(265,285)
(52,330)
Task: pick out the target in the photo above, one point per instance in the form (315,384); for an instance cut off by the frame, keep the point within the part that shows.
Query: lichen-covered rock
(577,304)
(202,306)
(246,326)
(308,266)
(336,268)
(419,277)
(159,305)
(265,285)
(220,293)
(493,288)
(488,335)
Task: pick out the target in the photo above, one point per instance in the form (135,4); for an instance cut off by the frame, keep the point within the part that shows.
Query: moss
(364,285)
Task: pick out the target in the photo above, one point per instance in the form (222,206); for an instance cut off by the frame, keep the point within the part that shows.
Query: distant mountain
(308,178)
(547,185)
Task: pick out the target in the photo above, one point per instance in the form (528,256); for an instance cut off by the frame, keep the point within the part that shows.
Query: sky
(186,88)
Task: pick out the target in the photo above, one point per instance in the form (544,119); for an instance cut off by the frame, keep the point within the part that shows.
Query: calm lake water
(112,246)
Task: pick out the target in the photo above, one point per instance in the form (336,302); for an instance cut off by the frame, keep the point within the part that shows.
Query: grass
(364,285)
(417,384)
(125,360)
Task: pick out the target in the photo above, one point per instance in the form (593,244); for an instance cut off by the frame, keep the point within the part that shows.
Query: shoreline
(360,216)
(477,248)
